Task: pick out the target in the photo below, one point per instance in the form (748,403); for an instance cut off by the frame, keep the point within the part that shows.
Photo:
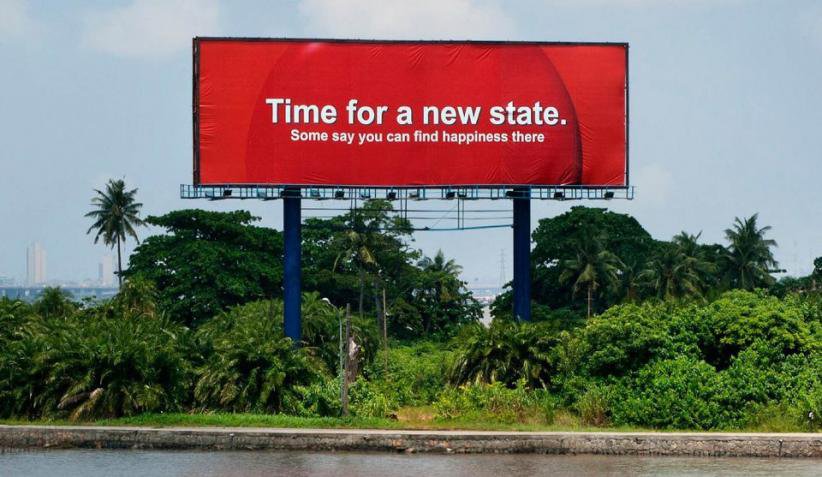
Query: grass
(420,418)
(409,418)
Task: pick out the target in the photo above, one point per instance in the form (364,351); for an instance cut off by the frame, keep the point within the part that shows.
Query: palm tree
(592,268)
(679,269)
(631,278)
(447,273)
(672,274)
(749,255)
(357,251)
(116,214)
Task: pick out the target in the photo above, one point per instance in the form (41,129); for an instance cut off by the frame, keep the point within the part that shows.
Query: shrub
(416,373)
(626,337)
(679,393)
(739,318)
(368,400)
(248,364)
(497,403)
(84,366)
(506,352)
(593,407)
(318,399)
(12,314)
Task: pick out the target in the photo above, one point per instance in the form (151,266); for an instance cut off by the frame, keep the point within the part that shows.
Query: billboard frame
(196,124)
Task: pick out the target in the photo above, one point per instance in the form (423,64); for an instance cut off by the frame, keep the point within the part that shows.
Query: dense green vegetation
(629,332)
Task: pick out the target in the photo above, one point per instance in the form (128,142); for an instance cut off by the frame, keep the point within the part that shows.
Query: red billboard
(409,113)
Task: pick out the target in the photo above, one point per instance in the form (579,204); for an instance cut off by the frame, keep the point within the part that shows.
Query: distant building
(105,271)
(35,265)
(6,281)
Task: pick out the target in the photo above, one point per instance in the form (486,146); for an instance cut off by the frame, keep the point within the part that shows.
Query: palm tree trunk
(119,264)
(362,288)
(377,303)
(590,298)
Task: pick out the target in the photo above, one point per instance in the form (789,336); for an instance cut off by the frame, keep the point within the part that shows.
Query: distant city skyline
(35,273)
(35,264)
(105,271)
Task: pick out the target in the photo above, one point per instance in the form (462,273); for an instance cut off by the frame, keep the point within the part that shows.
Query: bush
(593,407)
(739,318)
(318,399)
(497,403)
(506,352)
(85,365)
(680,393)
(248,364)
(626,337)
(416,373)
(368,400)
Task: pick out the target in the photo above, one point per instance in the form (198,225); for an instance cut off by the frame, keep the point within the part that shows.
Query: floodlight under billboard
(409,113)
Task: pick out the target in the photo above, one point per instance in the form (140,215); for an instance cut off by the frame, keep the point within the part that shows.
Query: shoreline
(412,441)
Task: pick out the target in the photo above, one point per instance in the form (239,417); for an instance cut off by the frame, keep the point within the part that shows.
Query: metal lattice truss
(220,192)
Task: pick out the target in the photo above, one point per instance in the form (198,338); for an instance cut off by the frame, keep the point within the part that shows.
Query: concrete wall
(675,444)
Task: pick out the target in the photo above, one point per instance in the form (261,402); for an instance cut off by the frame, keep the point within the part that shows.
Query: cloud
(417,19)
(150,28)
(14,18)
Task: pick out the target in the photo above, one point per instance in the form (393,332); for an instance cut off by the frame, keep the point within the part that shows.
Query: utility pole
(385,330)
(342,352)
(347,364)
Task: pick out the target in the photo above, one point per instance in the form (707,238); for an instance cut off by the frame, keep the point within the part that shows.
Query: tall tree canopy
(207,262)
(558,240)
(116,213)
(592,269)
(679,269)
(352,258)
(749,257)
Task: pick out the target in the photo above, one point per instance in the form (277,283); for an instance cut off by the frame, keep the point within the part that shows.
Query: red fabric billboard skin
(300,112)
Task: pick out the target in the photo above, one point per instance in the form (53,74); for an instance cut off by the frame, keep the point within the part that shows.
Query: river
(88,463)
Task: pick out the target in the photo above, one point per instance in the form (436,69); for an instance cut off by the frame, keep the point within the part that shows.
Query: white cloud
(150,28)
(14,18)
(415,19)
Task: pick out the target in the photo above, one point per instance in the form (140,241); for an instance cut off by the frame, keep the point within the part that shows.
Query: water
(88,463)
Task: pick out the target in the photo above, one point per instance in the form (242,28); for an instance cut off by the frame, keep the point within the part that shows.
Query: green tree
(115,215)
(440,296)
(357,252)
(207,262)
(54,302)
(343,255)
(679,269)
(749,255)
(593,268)
(557,239)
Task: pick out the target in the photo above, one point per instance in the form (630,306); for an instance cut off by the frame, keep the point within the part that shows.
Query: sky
(726,111)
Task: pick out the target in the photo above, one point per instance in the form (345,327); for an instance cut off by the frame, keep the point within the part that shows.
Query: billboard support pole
(291,269)
(522,254)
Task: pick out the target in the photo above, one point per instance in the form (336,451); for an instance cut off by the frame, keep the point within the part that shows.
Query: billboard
(409,113)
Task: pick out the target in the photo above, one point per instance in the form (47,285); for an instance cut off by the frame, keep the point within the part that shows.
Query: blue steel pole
(292,272)
(522,254)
